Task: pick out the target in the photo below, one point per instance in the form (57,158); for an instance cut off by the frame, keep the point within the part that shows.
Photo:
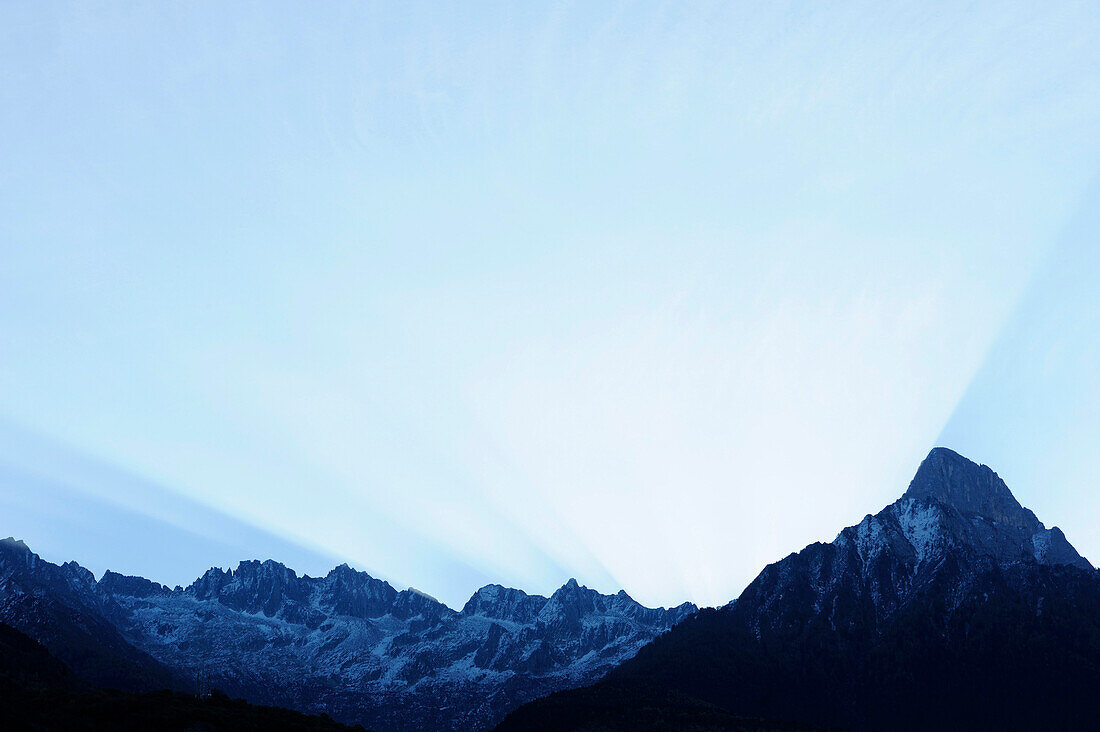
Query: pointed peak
(946,453)
(342,570)
(348,574)
(81,573)
(210,582)
(12,543)
(947,461)
(574,592)
(954,480)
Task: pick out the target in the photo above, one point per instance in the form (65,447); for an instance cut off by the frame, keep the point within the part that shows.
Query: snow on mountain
(953,502)
(351,645)
(61,608)
(952,608)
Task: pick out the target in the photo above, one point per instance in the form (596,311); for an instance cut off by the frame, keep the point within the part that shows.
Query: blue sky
(646,294)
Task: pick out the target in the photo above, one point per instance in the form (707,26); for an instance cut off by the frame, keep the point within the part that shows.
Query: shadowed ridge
(38,691)
(952,608)
(58,606)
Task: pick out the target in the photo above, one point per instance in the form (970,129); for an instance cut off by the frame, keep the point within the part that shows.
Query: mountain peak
(950,478)
(14,543)
(114,583)
(265,568)
(504,603)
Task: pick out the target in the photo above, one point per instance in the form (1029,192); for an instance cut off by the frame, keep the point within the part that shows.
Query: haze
(645,295)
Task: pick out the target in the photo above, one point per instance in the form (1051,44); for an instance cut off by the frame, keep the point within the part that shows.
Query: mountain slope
(346,644)
(37,691)
(952,608)
(59,606)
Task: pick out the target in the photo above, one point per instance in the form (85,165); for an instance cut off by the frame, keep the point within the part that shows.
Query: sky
(645,294)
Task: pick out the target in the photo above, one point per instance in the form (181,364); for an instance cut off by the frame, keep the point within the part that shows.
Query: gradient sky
(645,294)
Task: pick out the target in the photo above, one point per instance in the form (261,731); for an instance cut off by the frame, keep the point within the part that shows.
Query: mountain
(25,663)
(60,607)
(346,644)
(39,692)
(953,608)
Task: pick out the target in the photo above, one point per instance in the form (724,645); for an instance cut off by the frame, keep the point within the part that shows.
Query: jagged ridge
(352,645)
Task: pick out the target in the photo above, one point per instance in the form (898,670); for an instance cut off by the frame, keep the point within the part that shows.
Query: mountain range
(952,608)
(346,644)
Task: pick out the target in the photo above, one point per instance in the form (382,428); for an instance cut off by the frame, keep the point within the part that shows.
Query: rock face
(953,608)
(346,644)
(61,608)
(974,507)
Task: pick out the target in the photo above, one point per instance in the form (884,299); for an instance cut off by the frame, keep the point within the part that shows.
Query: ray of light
(646,295)
(1033,409)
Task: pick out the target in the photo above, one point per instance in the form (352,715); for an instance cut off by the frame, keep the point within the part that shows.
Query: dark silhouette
(953,608)
(39,692)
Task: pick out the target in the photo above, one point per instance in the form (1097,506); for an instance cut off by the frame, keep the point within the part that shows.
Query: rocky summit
(952,608)
(969,504)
